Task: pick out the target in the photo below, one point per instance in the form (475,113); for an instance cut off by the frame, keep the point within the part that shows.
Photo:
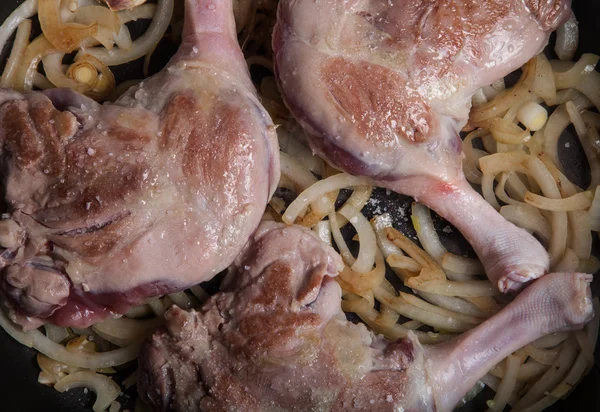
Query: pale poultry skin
(275,339)
(383,88)
(112,204)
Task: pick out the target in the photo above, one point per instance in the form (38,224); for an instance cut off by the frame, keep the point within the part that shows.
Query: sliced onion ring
(105,388)
(35,339)
(144,44)
(65,37)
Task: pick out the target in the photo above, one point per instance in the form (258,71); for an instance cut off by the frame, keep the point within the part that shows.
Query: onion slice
(109,24)
(579,201)
(37,49)
(144,44)
(35,339)
(105,388)
(314,192)
(65,37)
(567,39)
(421,219)
(25,11)
(16,54)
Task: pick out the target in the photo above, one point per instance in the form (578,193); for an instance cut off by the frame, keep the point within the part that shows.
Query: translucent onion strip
(53,68)
(105,388)
(181,299)
(26,10)
(323,232)
(469,288)
(37,49)
(123,39)
(528,371)
(303,179)
(460,264)
(125,331)
(368,243)
(109,24)
(340,241)
(552,377)
(333,183)
(142,45)
(200,293)
(559,222)
(555,126)
(423,224)
(581,129)
(454,304)
(380,223)
(571,78)
(579,201)
(16,54)
(544,356)
(35,339)
(507,385)
(567,39)
(594,211)
(56,333)
(509,181)
(590,86)
(550,341)
(398,331)
(435,320)
(480,116)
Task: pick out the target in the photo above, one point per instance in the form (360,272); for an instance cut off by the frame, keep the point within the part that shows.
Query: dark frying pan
(20,392)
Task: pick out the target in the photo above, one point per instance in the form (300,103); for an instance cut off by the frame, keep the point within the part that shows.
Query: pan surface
(20,391)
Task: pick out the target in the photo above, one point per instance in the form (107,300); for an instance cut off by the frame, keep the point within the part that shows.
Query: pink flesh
(275,338)
(383,89)
(158,192)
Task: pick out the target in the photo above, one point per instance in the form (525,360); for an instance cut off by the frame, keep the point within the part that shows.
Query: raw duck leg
(383,88)
(275,339)
(112,204)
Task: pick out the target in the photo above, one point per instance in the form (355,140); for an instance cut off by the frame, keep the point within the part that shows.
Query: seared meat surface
(383,88)
(275,339)
(111,204)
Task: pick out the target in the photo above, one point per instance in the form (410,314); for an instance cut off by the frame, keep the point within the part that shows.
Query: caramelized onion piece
(37,49)
(109,24)
(64,37)
(96,75)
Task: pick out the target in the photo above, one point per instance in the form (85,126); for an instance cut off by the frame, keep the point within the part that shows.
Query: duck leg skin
(383,88)
(112,204)
(275,339)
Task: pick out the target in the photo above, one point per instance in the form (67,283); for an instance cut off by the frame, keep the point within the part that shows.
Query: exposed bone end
(515,279)
(11,234)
